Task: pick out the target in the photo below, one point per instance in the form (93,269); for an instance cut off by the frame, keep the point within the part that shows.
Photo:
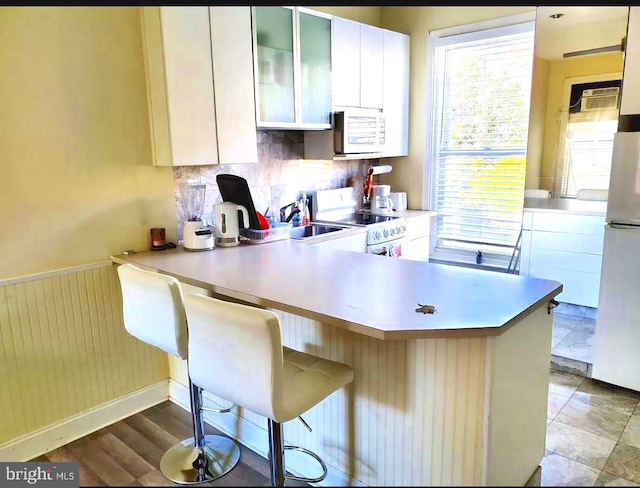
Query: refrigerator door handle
(630,225)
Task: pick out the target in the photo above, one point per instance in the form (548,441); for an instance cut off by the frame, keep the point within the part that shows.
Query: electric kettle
(227,226)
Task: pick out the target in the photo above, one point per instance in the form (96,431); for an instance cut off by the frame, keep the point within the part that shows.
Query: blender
(195,236)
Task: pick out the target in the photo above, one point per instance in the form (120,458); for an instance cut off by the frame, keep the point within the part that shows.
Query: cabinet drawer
(417,249)
(356,242)
(579,288)
(568,223)
(418,227)
(576,243)
(573,261)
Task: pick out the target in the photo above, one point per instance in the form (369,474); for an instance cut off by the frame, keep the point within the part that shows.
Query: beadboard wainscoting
(370,430)
(423,412)
(64,351)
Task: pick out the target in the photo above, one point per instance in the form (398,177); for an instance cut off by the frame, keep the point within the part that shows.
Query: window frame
(437,36)
(513,24)
(564,120)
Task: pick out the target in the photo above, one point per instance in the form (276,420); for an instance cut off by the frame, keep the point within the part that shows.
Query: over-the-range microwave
(358,130)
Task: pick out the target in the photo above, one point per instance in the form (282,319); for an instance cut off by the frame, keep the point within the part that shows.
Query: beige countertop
(361,292)
(566,205)
(409,214)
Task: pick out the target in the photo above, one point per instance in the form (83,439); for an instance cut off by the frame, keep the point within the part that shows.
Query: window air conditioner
(599,99)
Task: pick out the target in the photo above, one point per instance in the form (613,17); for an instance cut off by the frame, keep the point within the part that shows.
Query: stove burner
(367,218)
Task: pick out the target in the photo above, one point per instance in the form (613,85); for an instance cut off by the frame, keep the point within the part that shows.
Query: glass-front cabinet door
(275,87)
(293,67)
(315,68)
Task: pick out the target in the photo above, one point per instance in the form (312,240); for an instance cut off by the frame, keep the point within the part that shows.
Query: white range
(386,234)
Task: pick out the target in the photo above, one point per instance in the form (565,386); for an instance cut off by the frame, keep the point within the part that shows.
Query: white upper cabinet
(233,82)
(630,102)
(396,94)
(199,72)
(371,66)
(292,60)
(358,64)
(346,63)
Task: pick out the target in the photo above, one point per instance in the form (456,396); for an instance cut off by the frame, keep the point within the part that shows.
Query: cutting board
(236,189)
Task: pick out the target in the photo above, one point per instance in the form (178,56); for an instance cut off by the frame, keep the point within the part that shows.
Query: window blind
(480,125)
(588,150)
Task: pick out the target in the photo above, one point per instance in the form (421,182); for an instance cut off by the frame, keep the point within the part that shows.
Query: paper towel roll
(385,168)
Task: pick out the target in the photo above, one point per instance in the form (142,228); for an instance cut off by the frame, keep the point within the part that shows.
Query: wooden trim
(55,272)
(61,433)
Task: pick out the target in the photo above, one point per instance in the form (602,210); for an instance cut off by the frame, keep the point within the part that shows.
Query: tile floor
(593,434)
(572,340)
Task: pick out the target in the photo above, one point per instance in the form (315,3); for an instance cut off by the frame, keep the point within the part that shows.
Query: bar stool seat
(307,380)
(242,344)
(153,312)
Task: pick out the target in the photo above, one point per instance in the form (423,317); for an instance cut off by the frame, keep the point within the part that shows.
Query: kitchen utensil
(227,226)
(398,201)
(195,235)
(368,183)
(235,189)
(264,223)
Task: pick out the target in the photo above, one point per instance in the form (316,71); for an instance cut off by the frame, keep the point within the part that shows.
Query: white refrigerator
(617,340)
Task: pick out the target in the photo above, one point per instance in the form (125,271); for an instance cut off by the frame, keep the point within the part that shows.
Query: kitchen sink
(312,230)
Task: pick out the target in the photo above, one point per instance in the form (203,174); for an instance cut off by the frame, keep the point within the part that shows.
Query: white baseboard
(256,438)
(49,438)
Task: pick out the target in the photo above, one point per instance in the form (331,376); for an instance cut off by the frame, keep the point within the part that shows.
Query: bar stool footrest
(314,456)
(218,410)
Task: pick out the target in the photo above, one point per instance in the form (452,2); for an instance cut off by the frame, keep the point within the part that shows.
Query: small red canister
(157,237)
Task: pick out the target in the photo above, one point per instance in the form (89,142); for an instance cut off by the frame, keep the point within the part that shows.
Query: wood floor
(128,452)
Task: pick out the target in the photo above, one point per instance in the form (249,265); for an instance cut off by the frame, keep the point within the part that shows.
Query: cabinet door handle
(619,225)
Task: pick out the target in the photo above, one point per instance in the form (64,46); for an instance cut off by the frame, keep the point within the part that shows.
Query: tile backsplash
(279,176)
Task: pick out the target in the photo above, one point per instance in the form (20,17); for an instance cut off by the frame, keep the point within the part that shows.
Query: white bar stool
(154,313)
(242,344)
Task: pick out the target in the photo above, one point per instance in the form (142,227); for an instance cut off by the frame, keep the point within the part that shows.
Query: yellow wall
(367,15)
(407,174)
(76,185)
(76,179)
(559,71)
(537,120)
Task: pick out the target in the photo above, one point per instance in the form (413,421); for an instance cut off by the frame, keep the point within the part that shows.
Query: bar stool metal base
(277,461)
(186,464)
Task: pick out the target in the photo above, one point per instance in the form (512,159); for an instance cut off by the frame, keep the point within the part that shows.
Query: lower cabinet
(419,238)
(355,242)
(567,248)
(417,249)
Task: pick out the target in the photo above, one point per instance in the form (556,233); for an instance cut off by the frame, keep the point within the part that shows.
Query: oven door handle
(383,252)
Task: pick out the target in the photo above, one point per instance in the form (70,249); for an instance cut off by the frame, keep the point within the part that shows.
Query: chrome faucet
(294,210)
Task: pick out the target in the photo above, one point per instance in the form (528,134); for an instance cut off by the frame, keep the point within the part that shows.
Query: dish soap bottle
(306,215)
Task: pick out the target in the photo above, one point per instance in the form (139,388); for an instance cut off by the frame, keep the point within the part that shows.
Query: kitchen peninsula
(457,397)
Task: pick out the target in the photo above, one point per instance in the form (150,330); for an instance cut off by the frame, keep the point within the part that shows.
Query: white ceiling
(580,28)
